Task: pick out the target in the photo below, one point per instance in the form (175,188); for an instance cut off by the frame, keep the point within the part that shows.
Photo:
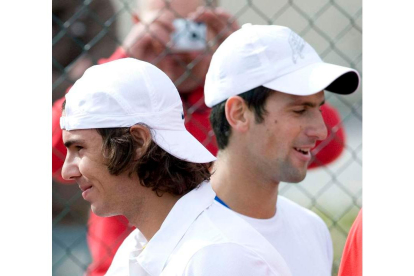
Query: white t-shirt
(300,236)
(199,237)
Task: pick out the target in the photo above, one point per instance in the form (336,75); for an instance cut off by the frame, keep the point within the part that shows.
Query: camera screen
(188,35)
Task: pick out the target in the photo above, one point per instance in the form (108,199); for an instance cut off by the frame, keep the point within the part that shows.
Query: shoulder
(227,259)
(303,220)
(221,243)
(305,223)
(298,213)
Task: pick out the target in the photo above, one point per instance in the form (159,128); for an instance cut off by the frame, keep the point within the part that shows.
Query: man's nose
(70,169)
(318,130)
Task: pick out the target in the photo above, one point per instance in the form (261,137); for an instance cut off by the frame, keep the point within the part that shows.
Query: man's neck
(151,213)
(242,188)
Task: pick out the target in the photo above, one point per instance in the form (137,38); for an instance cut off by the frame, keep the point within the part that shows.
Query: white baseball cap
(128,91)
(274,57)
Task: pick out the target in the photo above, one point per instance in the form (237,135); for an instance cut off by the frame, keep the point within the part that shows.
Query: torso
(300,236)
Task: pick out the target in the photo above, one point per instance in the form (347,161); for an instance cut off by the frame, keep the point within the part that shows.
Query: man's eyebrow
(71,142)
(309,104)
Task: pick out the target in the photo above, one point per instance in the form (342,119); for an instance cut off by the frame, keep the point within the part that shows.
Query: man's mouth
(304,151)
(85,188)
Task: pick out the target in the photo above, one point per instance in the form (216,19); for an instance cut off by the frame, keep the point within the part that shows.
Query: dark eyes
(78,148)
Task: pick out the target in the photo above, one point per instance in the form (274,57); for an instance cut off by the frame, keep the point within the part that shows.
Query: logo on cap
(296,44)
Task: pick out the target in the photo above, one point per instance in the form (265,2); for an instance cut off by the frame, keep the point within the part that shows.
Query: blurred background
(86,31)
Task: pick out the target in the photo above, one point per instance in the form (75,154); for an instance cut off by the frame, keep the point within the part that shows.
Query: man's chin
(101,212)
(295,177)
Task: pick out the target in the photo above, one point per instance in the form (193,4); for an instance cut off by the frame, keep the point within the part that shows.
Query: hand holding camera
(220,24)
(205,28)
(146,41)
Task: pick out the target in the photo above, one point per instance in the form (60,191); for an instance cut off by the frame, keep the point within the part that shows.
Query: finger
(160,37)
(135,36)
(204,15)
(218,19)
(165,19)
(230,20)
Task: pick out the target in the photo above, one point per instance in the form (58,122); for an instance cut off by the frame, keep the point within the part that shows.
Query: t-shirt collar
(157,251)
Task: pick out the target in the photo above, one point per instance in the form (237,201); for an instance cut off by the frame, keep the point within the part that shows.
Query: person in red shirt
(105,235)
(351,263)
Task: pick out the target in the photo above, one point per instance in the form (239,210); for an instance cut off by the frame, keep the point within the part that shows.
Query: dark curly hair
(156,169)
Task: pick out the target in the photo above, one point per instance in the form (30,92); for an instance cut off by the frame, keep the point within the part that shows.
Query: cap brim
(316,77)
(183,145)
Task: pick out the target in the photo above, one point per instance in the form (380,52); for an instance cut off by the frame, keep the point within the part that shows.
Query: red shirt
(351,263)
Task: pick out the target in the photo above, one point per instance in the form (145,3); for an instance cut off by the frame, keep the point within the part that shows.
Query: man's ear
(142,137)
(237,113)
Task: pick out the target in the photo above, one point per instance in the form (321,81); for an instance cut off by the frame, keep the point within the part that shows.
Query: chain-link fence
(84,31)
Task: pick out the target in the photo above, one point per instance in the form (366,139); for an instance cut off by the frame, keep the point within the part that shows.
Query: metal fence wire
(84,31)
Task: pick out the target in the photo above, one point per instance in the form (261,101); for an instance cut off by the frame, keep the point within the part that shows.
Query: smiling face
(85,163)
(279,147)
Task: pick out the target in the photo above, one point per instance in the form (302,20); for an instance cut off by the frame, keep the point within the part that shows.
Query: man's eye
(78,148)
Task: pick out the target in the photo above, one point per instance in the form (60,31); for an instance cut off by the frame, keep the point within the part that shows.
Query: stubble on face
(275,140)
(274,162)
(290,173)
(110,195)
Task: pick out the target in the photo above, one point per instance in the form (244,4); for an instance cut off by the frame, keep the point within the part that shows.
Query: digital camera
(188,36)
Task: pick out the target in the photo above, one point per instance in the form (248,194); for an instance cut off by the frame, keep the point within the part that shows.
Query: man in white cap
(266,87)
(130,154)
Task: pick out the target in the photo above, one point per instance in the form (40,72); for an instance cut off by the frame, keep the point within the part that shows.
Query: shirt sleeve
(227,259)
